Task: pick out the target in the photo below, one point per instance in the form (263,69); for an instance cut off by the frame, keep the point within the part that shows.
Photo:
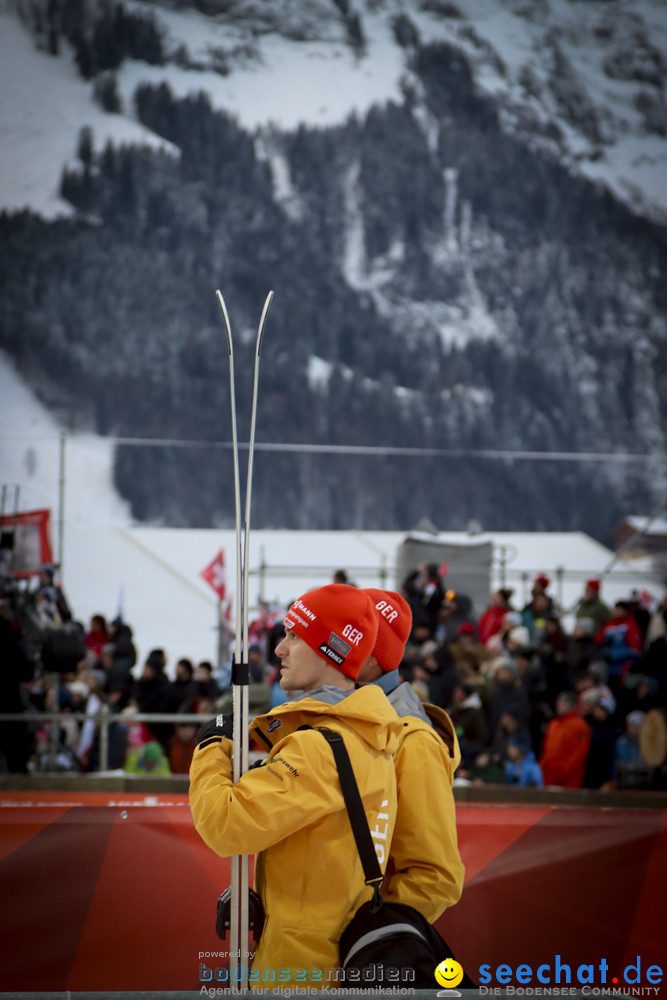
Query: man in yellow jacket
(424,869)
(291,812)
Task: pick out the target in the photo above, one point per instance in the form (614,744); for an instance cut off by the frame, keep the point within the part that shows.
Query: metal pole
(61,507)
(8,563)
(262,571)
(219,636)
(503,567)
(104,738)
(383,573)
(560,572)
(15,521)
(54,733)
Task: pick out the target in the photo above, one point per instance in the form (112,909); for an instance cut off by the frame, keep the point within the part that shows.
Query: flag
(647,600)
(226,613)
(25,543)
(268,617)
(215,575)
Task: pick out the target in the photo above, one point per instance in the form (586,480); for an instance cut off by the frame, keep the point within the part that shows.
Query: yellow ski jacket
(291,813)
(425,868)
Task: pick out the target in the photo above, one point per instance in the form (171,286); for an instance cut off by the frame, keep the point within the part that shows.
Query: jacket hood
(444,727)
(366,710)
(406,701)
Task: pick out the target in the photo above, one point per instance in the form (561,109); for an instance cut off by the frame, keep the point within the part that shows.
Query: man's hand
(214,730)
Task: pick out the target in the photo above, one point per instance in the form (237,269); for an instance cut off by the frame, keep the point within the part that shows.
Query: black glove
(213,730)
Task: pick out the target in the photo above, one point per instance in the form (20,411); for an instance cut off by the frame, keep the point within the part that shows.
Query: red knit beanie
(339,622)
(394,627)
(466,628)
(593,585)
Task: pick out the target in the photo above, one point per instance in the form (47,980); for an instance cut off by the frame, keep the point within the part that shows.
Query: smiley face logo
(449,973)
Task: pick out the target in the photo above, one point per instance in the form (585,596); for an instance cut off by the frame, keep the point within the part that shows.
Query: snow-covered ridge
(584,80)
(43,105)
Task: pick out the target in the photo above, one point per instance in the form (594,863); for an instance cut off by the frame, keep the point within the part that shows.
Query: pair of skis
(239,916)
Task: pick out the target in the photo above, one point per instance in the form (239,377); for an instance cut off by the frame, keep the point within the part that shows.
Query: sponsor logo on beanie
(336,645)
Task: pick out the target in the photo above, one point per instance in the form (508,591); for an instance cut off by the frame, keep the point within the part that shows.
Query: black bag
(396,936)
(382,937)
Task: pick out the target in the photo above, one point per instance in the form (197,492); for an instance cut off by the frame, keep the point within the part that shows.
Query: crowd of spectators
(532,703)
(53,663)
(105,679)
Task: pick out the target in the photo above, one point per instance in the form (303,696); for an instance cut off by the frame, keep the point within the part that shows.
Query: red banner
(118,892)
(25,544)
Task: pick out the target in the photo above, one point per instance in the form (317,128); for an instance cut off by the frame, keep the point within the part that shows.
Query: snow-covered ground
(44,102)
(43,105)
(276,80)
(104,569)
(318,82)
(153,575)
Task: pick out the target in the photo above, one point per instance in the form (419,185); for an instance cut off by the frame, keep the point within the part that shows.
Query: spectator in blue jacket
(521,767)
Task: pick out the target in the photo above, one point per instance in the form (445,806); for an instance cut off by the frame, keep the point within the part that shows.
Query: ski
(239,938)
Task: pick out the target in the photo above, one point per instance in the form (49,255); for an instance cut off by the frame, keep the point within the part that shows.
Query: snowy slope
(273,79)
(44,103)
(103,568)
(548,64)
(570,76)
(153,573)
(43,106)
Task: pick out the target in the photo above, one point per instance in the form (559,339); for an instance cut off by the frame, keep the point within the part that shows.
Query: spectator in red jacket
(492,619)
(621,642)
(97,635)
(566,745)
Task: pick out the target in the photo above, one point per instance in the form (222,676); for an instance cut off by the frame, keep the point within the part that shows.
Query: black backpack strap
(355,810)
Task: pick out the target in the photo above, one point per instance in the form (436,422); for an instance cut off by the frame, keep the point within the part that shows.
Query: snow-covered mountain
(583,79)
(461,207)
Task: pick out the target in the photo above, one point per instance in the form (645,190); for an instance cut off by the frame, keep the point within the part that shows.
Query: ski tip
(225,316)
(265,310)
